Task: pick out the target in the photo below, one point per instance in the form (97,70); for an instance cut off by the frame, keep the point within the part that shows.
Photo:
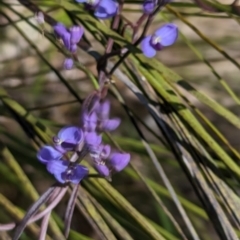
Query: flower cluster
(163,37)
(103,9)
(81,141)
(94,122)
(56,160)
(70,38)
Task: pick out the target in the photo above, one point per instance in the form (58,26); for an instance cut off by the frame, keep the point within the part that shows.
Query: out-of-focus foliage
(179,121)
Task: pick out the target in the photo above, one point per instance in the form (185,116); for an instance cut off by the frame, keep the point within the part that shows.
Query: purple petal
(168,34)
(119,161)
(105,152)
(147,48)
(48,153)
(92,139)
(68,64)
(78,174)
(103,110)
(76,33)
(89,121)
(69,137)
(106,9)
(67,40)
(81,1)
(58,169)
(102,170)
(73,48)
(149,6)
(60,30)
(111,124)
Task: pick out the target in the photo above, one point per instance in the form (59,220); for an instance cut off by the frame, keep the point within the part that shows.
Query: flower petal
(119,161)
(48,153)
(111,124)
(66,37)
(89,121)
(168,34)
(73,48)
(76,33)
(92,139)
(102,170)
(149,5)
(147,48)
(78,174)
(106,9)
(106,150)
(58,169)
(68,64)
(60,30)
(69,137)
(103,110)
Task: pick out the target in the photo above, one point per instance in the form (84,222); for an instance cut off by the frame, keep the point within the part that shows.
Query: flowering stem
(103,60)
(74,157)
(149,21)
(69,210)
(44,226)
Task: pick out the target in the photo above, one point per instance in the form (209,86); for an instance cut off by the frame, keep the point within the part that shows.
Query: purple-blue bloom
(163,37)
(89,121)
(150,5)
(82,140)
(92,140)
(68,63)
(69,138)
(47,153)
(59,30)
(76,34)
(64,172)
(70,37)
(103,9)
(116,162)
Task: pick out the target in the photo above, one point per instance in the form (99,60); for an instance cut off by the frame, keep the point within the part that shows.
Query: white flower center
(156,39)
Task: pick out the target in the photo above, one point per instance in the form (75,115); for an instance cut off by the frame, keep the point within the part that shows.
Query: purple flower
(76,33)
(103,110)
(118,161)
(48,153)
(68,63)
(150,5)
(82,141)
(163,37)
(115,163)
(59,30)
(104,123)
(69,138)
(110,124)
(64,172)
(92,140)
(103,9)
(106,9)
(70,37)
(89,121)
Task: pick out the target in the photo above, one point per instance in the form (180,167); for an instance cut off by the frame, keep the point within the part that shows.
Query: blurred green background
(38,97)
